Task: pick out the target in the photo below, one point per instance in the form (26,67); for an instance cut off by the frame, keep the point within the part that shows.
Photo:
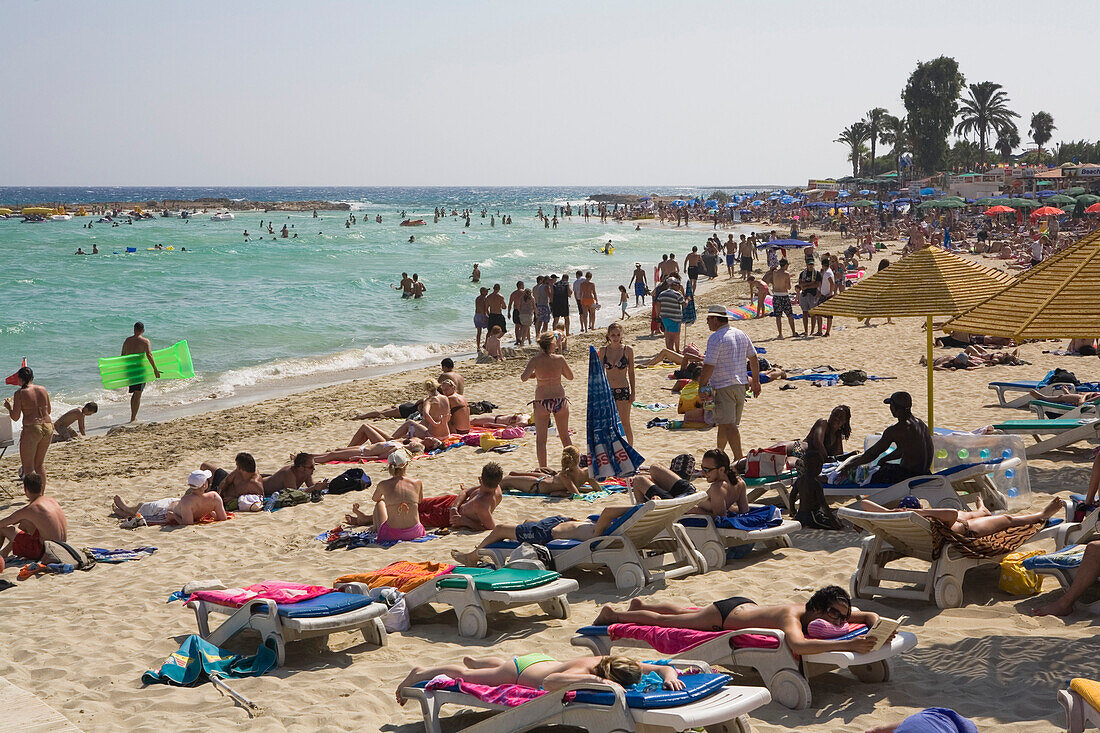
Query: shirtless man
(198,502)
(831,603)
(542,304)
(692,262)
(910,436)
(418,287)
(494,308)
(541,531)
(24,530)
(138,344)
(297,474)
(32,403)
(731,253)
(639,283)
(62,427)
(513,308)
(746,253)
(405,286)
(481,320)
(475,276)
(781,297)
(448,367)
(241,489)
(468,509)
(586,295)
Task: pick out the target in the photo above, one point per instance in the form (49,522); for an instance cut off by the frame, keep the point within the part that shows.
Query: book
(883,629)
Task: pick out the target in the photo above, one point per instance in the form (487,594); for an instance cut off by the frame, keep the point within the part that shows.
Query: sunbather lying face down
(539,670)
(541,531)
(979,522)
(731,614)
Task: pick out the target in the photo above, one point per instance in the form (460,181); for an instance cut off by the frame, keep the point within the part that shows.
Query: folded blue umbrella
(197,660)
(609,452)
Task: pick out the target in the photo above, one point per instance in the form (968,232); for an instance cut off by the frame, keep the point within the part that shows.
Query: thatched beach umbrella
(1055,299)
(927,283)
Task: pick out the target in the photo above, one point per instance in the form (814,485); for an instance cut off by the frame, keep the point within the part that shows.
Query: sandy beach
(80,642)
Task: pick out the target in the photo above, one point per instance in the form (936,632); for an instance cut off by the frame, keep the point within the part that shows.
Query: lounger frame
(1080,716)
(940,490)
(725,711)
(1061,435)
(786,678)
(1065,412)
(713,541)
(1024,387)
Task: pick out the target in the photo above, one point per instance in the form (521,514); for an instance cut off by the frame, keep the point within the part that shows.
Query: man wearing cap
(912,440)
(199,501)
(729,366)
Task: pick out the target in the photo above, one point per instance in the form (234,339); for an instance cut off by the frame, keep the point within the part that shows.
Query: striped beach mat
(752,310)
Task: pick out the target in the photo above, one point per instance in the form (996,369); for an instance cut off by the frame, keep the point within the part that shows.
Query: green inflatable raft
(173,362)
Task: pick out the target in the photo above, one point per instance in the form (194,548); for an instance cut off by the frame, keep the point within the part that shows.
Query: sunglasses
(708,469)
(833,614)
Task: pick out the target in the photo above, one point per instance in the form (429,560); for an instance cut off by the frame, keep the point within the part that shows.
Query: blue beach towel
(609,452)
(100,554)
(196,660)
(759,517)
(1067,558)
(687,317)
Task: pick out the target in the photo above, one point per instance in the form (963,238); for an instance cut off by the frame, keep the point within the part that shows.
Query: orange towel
(402,575)
(1089,690)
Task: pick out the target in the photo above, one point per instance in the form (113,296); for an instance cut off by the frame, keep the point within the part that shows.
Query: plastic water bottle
(269,503)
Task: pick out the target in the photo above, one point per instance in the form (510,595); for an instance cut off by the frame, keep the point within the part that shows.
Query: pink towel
(274,590)
(509,695)
(675,641)
(510,433)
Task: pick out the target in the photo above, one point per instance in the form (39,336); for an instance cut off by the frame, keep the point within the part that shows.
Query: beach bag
(689,397)
(530,556)
(54,552)
(765,462)
(853,377)
(352,479)
(291,497)
(1063,376)
(1015,578)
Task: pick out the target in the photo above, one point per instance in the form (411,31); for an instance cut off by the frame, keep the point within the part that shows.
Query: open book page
(883,629)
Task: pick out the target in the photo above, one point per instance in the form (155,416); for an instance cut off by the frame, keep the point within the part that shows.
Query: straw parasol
(1055,299)
(927,283)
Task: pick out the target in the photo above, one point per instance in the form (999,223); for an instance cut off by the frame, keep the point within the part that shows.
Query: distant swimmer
(246,234)
(286,232)
(95,249)
(418,287)
(80,251)
(412,239)
(475,276)
(138,344)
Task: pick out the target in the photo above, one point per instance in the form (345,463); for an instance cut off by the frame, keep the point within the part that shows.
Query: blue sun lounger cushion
(696,687)
(330,604)
(1067,558)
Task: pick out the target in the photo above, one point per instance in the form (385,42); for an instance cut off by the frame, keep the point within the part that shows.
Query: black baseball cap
(901,399)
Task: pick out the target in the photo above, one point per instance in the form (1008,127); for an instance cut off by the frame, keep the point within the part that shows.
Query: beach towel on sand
(273,590)
(1089,690)
(100,554)
(402,575)
(341,537)
(507,695)
(196,660)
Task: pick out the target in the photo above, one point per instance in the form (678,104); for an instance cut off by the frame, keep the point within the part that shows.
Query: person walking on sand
(513,310)
(32,403)
(138,344)
(639,283)
(481,318)
(727,362)
(548,368)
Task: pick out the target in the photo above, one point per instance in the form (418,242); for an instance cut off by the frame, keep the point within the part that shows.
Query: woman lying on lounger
(831,604)
(571,479)
(544,672)
(977,523)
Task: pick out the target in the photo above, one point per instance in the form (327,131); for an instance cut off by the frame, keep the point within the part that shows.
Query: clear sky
(498,93)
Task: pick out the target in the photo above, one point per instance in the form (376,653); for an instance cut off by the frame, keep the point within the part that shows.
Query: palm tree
(1042,127)
(985,110)
(854,135)
(895,133)
(1007,141)
(874,120)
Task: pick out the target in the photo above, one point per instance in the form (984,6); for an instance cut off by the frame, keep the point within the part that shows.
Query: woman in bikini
(544,672)
(376,446)
(548,368)
(618,362)
(571,479)
(979,522)
(435,412)
(457,405)
(32,403)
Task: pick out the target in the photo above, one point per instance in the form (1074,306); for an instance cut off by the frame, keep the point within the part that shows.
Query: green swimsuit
(527,660)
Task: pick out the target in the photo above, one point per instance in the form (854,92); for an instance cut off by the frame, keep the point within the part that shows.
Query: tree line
(938,103)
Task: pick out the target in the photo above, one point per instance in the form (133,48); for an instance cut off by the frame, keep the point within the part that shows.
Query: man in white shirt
(1036,251)
(729,353)
(827,290)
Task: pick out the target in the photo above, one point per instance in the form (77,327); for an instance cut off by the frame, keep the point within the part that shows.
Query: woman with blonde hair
(548,368)
(542,671)
(618,362)
(571,479)
(435,414)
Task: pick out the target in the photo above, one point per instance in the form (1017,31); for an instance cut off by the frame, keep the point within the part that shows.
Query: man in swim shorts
(481,320)
(666,483)
(241,489)
(542,304)
(639,282)
(541,531)
(494,307)
(24,530)
(138,344)
(198,502)
(831,604)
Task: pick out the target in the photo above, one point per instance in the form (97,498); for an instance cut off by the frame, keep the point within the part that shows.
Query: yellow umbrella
(1058,298)
(930,282)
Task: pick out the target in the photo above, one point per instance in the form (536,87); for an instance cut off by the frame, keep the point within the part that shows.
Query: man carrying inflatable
(138,344)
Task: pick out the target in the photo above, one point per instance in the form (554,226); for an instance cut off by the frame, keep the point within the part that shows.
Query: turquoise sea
(260,312)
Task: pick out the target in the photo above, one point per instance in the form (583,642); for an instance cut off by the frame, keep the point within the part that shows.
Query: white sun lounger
(475,592)
(900,535)
(1024,387)
(781,485)
(940,490)
(713,541)
(633,547)
(6,434)
(1062,433)
(1080,716)
(600,707)
(264,616)
(786,678)
(1045,410)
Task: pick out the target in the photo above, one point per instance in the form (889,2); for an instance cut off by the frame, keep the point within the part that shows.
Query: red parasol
(999,210)
(1046,211)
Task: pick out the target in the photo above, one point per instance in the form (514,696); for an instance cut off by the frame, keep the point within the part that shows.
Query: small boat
(60,217)
(222,216)
(413,223)
(34,219)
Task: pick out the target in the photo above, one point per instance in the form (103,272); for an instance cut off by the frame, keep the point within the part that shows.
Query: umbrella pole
(928,360)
